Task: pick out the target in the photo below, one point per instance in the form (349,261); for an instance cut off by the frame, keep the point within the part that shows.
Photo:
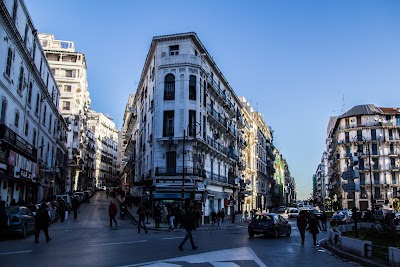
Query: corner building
(186,129)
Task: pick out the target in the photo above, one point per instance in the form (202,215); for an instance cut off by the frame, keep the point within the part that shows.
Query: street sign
(349,187)
(348,175)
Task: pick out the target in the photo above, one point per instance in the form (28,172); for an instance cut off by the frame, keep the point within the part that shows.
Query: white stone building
(186,129)
(372,134)
(107,154)
(69,70)
(29,109)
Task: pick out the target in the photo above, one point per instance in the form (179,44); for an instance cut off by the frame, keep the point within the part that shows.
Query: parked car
(293,213)
(338,219)
(33,208)
(20,220)
(280,209)
(269,224)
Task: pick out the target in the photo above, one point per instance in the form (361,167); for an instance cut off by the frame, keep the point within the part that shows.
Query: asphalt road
(88,241)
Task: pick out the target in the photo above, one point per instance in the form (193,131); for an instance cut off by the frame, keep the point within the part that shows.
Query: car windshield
(12,210)
(338,216)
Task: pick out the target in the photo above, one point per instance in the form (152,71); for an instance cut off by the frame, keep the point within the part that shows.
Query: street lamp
(192,133)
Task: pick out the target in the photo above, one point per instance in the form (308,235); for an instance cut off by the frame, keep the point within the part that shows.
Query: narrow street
(89,241)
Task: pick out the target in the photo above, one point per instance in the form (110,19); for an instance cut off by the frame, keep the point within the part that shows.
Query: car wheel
(24,231)
(251,234)
(289,232)
(276,233)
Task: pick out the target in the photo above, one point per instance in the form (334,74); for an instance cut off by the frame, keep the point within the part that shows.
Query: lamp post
(190,126)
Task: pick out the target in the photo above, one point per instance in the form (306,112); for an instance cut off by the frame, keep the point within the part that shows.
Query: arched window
(169,87)
(192,87)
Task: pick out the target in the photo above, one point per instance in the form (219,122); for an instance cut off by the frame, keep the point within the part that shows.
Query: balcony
(168,131)
(217,118)
(174,171)
(180,59)
(241,142)
(221,95)
(219,179)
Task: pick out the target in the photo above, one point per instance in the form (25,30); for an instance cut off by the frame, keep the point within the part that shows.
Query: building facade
(29,114)
(362,158)
(107,152)
(69,70)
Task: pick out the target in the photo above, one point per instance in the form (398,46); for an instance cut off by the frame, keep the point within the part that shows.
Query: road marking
(120,243)
(178,237)
(16,252)
(226,257)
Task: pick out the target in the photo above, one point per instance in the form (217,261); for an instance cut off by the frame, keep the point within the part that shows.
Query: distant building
(29,117)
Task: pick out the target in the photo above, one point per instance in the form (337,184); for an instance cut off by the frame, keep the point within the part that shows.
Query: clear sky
(297,62)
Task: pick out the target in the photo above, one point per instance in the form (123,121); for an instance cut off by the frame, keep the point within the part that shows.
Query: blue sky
(295,61)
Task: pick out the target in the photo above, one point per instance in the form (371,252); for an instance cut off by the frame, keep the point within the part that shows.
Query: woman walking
(313,226)
(302,225)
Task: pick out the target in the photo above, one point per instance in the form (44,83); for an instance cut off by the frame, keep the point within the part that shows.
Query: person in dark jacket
(61,209)
(302,225)
(3,215)
(112,212)
(323,221)
(142,216)
(189,222)
(313,226)
(213,217)
(75,206)
(157,216)
(42,221)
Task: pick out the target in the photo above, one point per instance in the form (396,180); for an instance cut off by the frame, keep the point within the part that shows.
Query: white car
(293,213)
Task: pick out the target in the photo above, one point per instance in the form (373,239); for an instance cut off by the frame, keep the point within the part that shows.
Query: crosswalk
(235,257)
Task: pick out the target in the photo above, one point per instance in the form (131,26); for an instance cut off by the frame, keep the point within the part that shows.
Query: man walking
(107,192)
(302,225)
(213,216)
(189,222)
(112,212)
(313,225)
(142,216)
(323,220)
(75,206)
(42,220)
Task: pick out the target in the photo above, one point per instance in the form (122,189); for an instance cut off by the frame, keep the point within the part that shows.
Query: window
(192,87)
(171,162)
(391,146)
(376,164)
(15,8)
(373,134)
(41,66)
(34,49)
(16,119)
(37,104)
(68,73)
(348,152)
(29,95)
(169,87)
(3,111)
(21,80)
(44,114)
(361,164)
(174,50)
(9,62)
(66,105)
(168,123)
(47,79)
(374,149)
(50,121)
(26,128)
(67,88)
(34,137)
(26,33)
(347,137)
(362,179)
(376,178)
(192,123)
(377,193)
(394,181)
(392,163)
(390,134)
(41,148)
(358,122)
(53,71)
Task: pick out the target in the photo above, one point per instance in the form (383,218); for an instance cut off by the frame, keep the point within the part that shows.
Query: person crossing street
(142,216)
(112,212)
(189,223)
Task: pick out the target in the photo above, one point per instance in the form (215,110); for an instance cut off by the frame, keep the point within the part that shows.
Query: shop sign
(25,174)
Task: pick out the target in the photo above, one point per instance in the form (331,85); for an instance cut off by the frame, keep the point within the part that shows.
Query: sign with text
(351,187)
(348,175)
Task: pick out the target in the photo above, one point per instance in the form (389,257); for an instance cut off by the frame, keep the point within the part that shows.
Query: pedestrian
(323,221)
(188,220)
(157,216)
(61,210)
(197,217)
(112,212)
(219,219)
(222,215)
(142,216)
(75,206)
(213,217)
(246,214)
(313,225)
(107,192)
(13,203)
(87,197)
(302,225)
(3,215)
(42,221)
(172,219)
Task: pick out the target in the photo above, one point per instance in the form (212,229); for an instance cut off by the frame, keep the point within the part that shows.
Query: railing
(217,178)
(217,116)
(172,171)
(220,92)
(169,94)
(377,251)
(180,59)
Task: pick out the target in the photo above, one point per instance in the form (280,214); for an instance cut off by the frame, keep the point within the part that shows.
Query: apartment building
(107,153)
(29,117)
(69,70)
(362,157)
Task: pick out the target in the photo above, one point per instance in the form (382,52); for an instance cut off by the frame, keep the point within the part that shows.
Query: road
(88,241)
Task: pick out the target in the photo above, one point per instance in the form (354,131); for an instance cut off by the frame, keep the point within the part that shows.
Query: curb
(343,254)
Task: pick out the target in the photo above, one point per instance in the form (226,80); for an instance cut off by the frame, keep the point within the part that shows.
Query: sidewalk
(150,223)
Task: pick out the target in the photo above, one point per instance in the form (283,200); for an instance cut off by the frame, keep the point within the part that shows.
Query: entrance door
(171,162)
